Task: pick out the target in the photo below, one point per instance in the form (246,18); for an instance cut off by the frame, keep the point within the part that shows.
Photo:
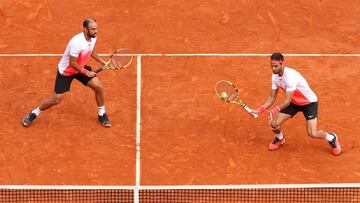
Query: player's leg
(62,85)
(313,130)
(96,85)
(53,100)
(277,121)
(98,88)
(275,125)
(310,113)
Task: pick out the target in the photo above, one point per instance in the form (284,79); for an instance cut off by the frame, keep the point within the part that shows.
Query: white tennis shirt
(78,47)
(292,80)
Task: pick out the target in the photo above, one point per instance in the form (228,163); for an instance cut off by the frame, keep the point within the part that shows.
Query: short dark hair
(87,21)
(277,56)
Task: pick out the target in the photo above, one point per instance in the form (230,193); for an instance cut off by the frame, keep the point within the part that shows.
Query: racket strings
(121,59)
(115,63)
(226,91)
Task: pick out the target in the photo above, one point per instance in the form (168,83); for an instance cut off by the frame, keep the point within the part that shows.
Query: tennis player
(298,97)
(73,66)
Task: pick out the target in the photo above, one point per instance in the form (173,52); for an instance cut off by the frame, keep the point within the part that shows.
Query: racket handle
(98,70)
(249,111)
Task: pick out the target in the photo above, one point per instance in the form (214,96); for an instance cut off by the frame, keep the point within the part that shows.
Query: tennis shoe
(104,120)
(335,145)
(276,143)
(28,119)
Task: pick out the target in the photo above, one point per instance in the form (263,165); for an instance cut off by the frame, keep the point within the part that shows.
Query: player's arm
(283,104)
(267,104)
(271,98)
(288,97)
(73,63)
(97,58)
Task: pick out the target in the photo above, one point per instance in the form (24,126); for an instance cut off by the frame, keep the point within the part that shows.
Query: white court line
(180,187)
(253,54)
(199,54)
(66,187)
(259,186)
(138,129)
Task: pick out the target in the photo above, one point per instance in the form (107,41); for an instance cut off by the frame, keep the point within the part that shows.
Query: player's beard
(279,72)
(91,35)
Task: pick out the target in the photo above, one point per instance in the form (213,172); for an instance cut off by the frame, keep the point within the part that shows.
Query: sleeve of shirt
(75,49)
(274,86)
(291,83)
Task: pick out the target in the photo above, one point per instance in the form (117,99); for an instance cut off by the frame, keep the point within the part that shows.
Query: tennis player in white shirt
(298,97)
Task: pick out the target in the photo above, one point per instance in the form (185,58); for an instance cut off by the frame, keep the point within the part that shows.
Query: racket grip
(249,111)
(98,70)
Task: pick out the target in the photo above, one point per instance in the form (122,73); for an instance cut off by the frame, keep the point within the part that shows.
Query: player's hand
(91,74)
(87,70)
(254,113)
(261,109)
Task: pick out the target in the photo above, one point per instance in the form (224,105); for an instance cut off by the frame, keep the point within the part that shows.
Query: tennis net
(309,193)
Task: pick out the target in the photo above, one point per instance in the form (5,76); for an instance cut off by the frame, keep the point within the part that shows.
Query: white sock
(36,111)
(101,110)
(329,137)
(279,135)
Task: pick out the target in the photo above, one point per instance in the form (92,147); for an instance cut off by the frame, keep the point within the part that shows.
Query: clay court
(188,135)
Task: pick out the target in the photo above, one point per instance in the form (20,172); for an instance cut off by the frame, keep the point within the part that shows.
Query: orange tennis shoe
(276,143)
(335,145)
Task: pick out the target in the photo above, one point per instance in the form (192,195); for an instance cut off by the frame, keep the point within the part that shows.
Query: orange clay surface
(188,136)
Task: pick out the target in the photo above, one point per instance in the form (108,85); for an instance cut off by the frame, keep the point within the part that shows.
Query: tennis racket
(119,59)
(228,92)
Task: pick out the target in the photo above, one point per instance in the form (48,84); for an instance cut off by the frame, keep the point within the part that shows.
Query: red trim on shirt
(299,99)
(70,71)
(82,59)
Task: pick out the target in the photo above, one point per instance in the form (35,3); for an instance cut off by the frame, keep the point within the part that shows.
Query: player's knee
(274,125)
(98,87)
(312,133)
